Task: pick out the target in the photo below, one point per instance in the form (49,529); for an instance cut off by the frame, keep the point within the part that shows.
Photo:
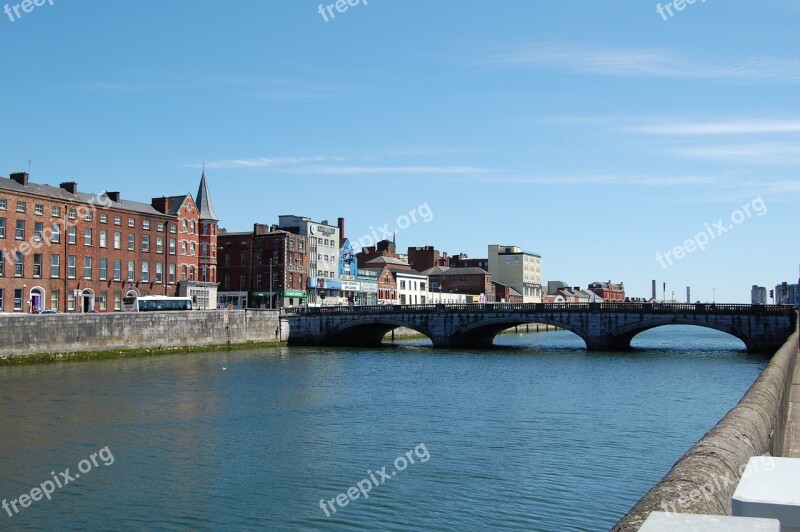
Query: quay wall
(28,334)
(704,480)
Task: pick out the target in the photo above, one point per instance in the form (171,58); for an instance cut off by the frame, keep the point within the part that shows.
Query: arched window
(183,273)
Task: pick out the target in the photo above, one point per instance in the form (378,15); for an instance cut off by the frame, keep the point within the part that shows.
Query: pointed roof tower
(203,201)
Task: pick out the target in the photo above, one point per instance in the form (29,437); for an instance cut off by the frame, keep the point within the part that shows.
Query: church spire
(203,201)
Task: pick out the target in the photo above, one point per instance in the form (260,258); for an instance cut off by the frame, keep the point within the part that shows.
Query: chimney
(341,228)
(113,196)
(70,186)
(20,177)
(160,204)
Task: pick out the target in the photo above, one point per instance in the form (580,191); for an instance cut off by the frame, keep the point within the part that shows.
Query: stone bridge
(603,326)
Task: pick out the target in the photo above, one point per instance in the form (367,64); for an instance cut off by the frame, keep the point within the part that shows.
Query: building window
(72,266)
(183,247)
(117,240)
(56,212)
(131,242)
(117,270)
(72,234)
(131,270)
(56,234)
(159,244)
(21,207)
(184,227)
(18,299)
(103,218)
(102,300)
(55,266)
(37,265)
(145,272)
(191,273)
(117,300)
(173,228)
(20,234)
(38,229)
(172,246)
(19,264)
(117,220)
(131,222)
(87,217)
(87,237)
(183,273)
(159,273)
(160,227)
(103,238)
(55,302)
(146,224)
(2,227)
(87,267)
(2,265)
(171,274)
(38,209)
(3,205)
(146,243)
(103,269)
(73,214)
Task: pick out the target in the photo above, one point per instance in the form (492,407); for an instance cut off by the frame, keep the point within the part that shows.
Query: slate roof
(203,202)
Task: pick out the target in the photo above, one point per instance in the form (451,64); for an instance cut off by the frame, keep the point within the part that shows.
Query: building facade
(69,251)
(323,256)
(609,292)
(758,295)
(521,270)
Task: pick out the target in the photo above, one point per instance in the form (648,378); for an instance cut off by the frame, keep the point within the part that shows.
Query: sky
(616,142)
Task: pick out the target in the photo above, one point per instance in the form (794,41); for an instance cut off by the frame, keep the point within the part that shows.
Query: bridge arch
(482,333)
(369,332)
(624,335)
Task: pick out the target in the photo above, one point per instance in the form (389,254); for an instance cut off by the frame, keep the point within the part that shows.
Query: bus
(155,303)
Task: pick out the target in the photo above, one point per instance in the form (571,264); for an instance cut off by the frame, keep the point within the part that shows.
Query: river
(535,435)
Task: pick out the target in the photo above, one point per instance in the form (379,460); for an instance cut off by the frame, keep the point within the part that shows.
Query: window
(183,247)
(73,214)
(21,207)
(87,267)
(56,233)
(87,217)
(2,227)
(160,227)
(204,229)
(55,266)
(72,266)
(145,272)
(117,240)
(37,265)
(103,269)
(159,244)
(184,226)
(131,270)
(87,237)
(117,270)
(72,234)
(131,222)
(131,242)
(19,265)
(57,212)
(55,302)
(38,229)
(3,206)
(103,218)
(70,300)
(171,274)
(18,299)
(2,266)
(204,250)
(103,238)
(184,273)
(146,243)
(102,300)
(172,246)
(173,228)
(145,224)
(117,220)
(159,273)
(2,302)
(192,250)
(20,234)
(38,209)
(117,300)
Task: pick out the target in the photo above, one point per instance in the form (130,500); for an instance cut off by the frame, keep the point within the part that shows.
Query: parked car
(49,311)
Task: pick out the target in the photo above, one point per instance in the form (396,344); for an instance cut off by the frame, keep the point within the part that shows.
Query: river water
(535,435)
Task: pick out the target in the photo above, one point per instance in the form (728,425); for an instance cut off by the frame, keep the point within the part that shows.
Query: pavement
(792,439)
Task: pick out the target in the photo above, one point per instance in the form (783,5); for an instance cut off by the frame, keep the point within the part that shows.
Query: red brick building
(472,281)
(75,252)
(609,291)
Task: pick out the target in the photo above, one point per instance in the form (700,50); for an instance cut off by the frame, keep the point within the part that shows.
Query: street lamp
(714,300)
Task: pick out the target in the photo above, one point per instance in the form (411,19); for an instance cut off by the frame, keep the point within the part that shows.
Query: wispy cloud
(266,162)
(733,127)
(779,153)
(642,62)
(623,180)
(393,170)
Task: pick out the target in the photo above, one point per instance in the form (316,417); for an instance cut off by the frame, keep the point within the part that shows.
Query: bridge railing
(622,307)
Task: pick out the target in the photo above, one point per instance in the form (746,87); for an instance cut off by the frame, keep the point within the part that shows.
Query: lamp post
(271,259)
(714,297)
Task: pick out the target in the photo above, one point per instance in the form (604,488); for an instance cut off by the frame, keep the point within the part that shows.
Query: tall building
(77,252)
(758,295)
(521,270)
(787,294)
(323,259)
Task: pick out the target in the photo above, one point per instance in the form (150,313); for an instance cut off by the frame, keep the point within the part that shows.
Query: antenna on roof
(29,167)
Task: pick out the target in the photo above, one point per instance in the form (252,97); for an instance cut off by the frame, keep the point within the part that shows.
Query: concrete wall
(24,334)
(704,480)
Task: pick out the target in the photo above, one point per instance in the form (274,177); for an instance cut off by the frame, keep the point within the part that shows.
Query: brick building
(265,268)
(75,252)
(424,258)
(609,292)
(471,281)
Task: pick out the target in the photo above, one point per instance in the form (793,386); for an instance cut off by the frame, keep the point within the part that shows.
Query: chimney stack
(20,177)
(160,204)
(113,196)
(341,228)
(70,186)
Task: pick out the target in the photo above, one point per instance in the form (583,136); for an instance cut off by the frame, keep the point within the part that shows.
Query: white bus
(155,303)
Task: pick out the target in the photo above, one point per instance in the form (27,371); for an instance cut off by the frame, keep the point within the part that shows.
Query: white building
(323,256)
(412,287)
(520,270)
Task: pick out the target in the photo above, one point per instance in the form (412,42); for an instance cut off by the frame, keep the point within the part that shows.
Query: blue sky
(594,133)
